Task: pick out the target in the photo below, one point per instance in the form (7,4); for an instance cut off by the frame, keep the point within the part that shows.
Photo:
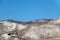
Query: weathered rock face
(36,30)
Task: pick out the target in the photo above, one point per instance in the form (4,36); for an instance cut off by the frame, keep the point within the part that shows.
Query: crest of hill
(38,21)
(56,21)
(42,20)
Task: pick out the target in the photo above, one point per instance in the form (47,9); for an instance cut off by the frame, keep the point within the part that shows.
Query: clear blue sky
(27,10)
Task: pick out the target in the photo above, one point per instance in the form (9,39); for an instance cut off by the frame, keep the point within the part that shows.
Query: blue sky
(27,10)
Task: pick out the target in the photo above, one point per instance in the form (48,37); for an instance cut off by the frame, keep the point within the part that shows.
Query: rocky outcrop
(36,30)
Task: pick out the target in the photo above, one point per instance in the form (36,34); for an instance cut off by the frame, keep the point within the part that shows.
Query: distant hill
(41,29)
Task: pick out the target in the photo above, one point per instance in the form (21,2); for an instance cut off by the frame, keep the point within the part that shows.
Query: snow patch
(16,39)
(32,34)
(8,26)
(20,26)
(6,36)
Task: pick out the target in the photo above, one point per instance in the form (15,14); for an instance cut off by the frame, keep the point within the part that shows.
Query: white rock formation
(39,30)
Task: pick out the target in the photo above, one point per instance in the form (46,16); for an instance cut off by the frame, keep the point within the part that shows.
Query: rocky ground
(44,29)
